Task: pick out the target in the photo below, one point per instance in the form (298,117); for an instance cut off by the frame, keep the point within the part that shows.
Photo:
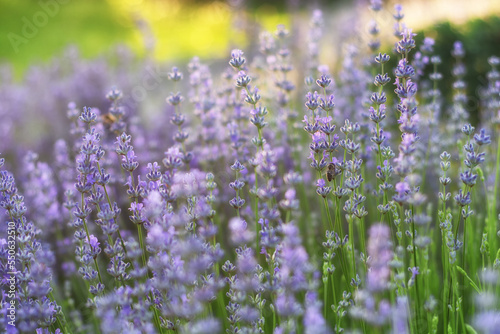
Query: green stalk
(142,244)
(110,206)
(492,219)
(445,280)
(417,308)
(325,296)
(144,261)
(457,296)
(330,221)
(342,257)
(338,220)
(379,153)
(139,230)
(256,209)
(61,320)
(237,195)
(88,240)
(444,259)
(342,264)
(351,239)
(431,128)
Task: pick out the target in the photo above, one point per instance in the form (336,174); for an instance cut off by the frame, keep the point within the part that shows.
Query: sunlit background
(179,29)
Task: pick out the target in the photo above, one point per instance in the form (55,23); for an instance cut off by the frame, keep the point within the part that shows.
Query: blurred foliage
(481,39)
(92,25)
(181,28)
(280,5)
(301,4)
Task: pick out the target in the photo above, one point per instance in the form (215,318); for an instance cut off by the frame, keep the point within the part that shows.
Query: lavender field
(270,192)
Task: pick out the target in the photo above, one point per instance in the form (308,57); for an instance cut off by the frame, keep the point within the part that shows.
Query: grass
(91,25)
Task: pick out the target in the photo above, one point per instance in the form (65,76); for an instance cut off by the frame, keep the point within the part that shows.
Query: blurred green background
(34,31)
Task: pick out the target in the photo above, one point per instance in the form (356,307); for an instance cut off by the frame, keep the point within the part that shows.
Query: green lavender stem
(492,217)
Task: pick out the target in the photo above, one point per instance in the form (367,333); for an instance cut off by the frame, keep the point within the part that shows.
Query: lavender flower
(380,255)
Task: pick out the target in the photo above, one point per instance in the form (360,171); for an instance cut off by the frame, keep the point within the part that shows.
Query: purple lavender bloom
(189,184)
(458,50)
(314,323)
(205,326)
(380,255)
(116,313)
(468,178)
(237,59)
(324,81)
(41,189)
(414,272)
(488,322)
(322,189)
(400,316)
(463,199)
(239,233)
(482,138)
(93,243)
(312,101)
(88,116)
(175,74)
(290,202)
(158,239)
(31,269)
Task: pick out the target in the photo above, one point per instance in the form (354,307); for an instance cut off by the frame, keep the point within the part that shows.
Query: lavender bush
(270,196)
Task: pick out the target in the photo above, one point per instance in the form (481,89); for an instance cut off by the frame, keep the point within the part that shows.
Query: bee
(332,171)
(108,119)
